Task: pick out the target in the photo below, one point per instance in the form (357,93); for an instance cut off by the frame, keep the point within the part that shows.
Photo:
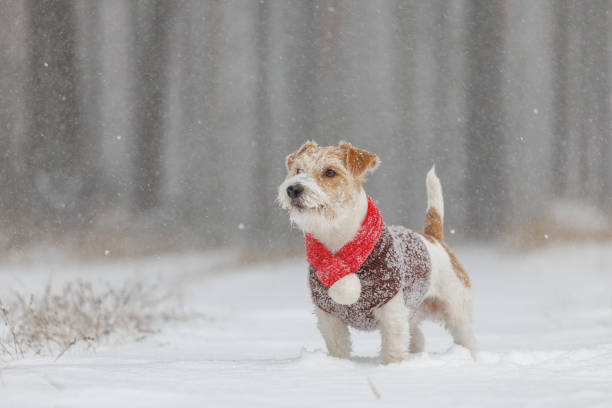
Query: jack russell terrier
(363,273)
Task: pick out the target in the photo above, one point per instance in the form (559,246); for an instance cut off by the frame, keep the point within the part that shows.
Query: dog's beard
(312,209)
(324,220)
(310,220)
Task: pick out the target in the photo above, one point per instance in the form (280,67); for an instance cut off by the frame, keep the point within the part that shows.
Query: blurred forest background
(131,126)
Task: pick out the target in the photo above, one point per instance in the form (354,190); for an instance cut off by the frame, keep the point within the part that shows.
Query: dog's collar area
(331,268)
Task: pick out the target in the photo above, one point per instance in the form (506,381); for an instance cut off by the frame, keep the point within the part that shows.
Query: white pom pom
(346,290)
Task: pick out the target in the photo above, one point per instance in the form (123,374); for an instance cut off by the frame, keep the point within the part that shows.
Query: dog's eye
(330,173)
(298,171)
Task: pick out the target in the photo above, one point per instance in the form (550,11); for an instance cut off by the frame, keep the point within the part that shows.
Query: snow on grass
(543,322)
(50,323)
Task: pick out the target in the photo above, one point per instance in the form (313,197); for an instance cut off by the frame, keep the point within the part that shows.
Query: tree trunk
(560,84)
(263,121)
(54,147)
(486,183)
(597,21)
(300,71)
(151,22)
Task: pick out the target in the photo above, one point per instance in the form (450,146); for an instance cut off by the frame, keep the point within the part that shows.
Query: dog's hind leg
(417,339)
(335,333)
(458,321)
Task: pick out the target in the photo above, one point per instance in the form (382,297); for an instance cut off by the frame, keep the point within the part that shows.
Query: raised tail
(434,219)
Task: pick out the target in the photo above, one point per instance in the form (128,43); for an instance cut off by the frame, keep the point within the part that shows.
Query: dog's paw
(391,358)
(346,290)
(390,355)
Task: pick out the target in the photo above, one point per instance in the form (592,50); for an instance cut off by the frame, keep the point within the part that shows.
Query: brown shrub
(51,323)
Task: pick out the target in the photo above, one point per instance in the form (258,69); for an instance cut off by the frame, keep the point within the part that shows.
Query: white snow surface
(543,321)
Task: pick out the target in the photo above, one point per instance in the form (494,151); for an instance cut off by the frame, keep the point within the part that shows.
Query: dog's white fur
(434,192)
(447,300)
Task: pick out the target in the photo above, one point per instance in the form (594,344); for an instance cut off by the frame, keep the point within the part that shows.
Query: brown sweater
(399,261)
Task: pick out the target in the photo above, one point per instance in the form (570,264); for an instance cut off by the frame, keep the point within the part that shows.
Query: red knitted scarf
(330,268)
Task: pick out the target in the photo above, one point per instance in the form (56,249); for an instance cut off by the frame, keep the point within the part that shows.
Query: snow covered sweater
(399,261)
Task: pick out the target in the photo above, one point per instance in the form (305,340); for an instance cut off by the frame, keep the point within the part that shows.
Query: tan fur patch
(358,161)
(457,267)
(433,307)
(349,166)
(461,274)
(433,224)
(341,187)
(293,156)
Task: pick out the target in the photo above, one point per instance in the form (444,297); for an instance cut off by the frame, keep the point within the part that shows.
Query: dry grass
(52,323)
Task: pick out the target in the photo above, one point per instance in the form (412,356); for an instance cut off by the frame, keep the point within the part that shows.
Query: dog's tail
(434,220)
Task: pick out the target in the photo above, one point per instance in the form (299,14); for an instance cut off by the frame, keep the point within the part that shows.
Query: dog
(363,273)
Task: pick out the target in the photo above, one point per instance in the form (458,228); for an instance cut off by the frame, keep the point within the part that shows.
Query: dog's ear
(359,162)
(305,147)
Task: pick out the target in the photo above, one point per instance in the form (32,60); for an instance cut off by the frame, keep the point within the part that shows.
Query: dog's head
(323,183)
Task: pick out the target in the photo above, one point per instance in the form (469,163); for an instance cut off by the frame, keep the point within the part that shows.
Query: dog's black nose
(295,190)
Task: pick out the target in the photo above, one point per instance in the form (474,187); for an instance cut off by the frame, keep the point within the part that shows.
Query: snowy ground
(543,322)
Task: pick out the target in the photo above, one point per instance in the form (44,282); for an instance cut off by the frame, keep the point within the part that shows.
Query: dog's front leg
(335,333)
(393,322)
